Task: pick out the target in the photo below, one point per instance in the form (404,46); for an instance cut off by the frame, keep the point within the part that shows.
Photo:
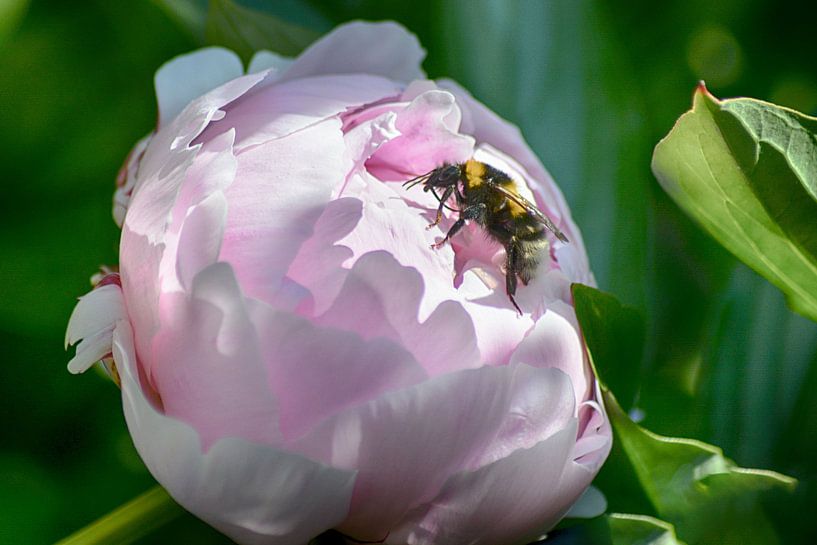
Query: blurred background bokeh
(593,85)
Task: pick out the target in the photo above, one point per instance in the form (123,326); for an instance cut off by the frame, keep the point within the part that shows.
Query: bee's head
(445,176)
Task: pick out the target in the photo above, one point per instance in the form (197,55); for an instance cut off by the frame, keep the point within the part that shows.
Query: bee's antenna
(408,184)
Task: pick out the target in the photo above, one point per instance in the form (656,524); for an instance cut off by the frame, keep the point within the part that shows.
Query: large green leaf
(746,171)
(708,498)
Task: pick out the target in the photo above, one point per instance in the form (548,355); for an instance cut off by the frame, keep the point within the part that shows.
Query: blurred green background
(593,85)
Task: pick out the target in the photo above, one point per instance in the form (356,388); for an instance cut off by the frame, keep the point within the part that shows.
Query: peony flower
(293,356)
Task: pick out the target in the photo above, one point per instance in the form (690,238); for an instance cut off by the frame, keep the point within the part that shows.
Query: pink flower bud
(293,356)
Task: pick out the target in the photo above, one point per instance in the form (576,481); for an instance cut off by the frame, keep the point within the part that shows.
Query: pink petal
(596,435)
(212,171)
(406,443)
(318,265)
(206,363)
(200,238)
(316,372)
(189,76)
(252,493)
(383,49)
(364,138)
(282,188)
(280,109)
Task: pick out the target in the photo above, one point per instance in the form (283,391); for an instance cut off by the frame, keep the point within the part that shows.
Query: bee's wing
(531,209)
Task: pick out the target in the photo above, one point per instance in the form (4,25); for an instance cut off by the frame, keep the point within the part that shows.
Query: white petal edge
(253,493)
(97,310)
(189,76)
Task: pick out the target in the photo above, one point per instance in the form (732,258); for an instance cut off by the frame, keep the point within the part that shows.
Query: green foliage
(746,171)
(706,496)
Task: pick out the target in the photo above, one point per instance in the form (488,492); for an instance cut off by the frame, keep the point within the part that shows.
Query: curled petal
(96,311)
(90,350)
(428,139)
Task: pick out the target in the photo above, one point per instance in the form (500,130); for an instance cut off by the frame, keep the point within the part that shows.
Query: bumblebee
(489,197)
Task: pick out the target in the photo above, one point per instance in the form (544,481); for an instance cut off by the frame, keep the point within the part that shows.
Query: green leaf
(618,343)
(708,498)
(617,529)
(747,172)
(246,31)
(641,530)
(691,484)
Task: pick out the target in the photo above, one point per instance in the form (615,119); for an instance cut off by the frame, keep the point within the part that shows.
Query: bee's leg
(475,212)
(444,197)
(511,259)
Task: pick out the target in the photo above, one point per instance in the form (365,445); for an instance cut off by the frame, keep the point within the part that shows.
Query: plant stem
(130,521)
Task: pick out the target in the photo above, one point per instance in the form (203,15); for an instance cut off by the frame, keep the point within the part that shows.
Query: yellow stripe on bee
(474,172)
(515,210)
